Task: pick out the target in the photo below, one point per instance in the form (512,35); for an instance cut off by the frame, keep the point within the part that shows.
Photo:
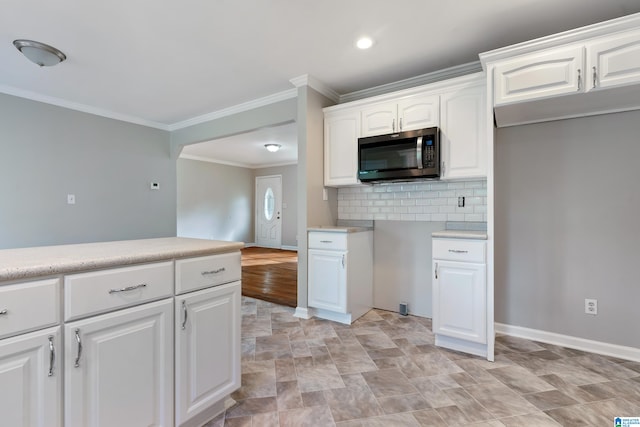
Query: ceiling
(163,62)
(247,149)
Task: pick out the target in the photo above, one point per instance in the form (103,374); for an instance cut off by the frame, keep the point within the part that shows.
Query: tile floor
(385,371)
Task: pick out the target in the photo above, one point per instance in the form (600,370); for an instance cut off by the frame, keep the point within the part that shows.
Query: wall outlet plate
(591,306)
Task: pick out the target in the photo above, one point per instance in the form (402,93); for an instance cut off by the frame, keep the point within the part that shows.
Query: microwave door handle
(419,152)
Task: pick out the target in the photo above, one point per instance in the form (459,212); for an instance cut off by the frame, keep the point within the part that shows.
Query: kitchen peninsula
(111,320)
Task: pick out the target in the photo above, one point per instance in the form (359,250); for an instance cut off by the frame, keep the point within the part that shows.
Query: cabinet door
(207,348)
(30,380)
(463,133)
(418,112)
(459,300)
(341,132)
(614,61)
(540,75)
(380,119)
(119,368)
(328,280)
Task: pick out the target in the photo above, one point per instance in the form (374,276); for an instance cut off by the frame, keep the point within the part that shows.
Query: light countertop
(16,264)
(338,229)
(460,234)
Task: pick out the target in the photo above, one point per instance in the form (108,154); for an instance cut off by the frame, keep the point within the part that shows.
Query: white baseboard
(249,245)
(302,313)
(619,351)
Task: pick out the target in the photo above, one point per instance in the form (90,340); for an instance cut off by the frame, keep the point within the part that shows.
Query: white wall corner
(317,85)
(598,347)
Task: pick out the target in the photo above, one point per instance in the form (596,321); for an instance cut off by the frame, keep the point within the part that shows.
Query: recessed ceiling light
(364,43)
(272,147)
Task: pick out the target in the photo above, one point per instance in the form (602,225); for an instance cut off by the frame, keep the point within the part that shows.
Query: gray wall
(49,152)
(289,197)
(402,265)
(567,228)
(313,210)
(215,201)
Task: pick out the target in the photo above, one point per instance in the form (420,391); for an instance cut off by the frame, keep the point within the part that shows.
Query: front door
(268,211)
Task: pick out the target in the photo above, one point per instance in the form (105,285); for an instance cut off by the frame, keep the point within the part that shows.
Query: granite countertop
(338,229)
(460,234)
(25,263)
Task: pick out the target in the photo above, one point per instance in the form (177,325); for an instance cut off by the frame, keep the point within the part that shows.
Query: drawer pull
(128,288)
(4,312)
(186,315)
(457,251)
(326,241)
(79,341)
(220,270)
(436,270)
(52,355)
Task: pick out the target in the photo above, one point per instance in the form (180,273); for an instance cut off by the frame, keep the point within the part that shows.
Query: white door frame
(277,214)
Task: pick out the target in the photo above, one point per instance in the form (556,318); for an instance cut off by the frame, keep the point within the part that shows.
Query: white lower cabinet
(31,380)
(119,368)
(340,274)
(207,351)
(460,295)
(328,280)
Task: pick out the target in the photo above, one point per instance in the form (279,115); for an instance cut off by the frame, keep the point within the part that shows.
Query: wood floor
(270,275)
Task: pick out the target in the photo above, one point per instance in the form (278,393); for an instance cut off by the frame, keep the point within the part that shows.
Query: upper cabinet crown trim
(428,89)
(625,23)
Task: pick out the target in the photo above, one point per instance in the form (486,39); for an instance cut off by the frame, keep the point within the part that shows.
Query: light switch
(71,199)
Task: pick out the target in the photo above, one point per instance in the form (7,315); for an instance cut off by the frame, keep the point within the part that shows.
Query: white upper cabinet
(596,71)
(614,61)
(462,133)
(414,112)
(341,132)
(540,75)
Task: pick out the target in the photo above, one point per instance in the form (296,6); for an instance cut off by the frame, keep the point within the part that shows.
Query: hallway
(270,275)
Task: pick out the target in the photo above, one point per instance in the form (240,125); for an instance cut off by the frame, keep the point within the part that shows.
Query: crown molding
(423,79)
(236,164)
(580,34)
(238,108)
(83,108)
(317,85)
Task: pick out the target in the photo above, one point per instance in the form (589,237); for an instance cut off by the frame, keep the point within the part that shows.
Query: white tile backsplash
(423,201)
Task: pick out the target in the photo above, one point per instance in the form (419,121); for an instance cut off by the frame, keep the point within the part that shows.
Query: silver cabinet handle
(326,241)
(458,251)
(579,80)
(443,168)
(343,261)
(186,315)
(595,77)
(128,288)
(4,312)
(220,270)
(400,123)
(79,355)
(393,125)
(52,355)
(436,270)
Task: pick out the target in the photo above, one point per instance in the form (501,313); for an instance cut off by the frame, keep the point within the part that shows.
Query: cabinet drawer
(207,271)
(460,250)
(29,306)
(107,290)
(328,240)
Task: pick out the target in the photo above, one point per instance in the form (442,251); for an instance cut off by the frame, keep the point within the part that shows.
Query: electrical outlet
(461,202)
(591,306)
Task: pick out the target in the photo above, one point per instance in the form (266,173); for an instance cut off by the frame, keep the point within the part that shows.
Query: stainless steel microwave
(400,156)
